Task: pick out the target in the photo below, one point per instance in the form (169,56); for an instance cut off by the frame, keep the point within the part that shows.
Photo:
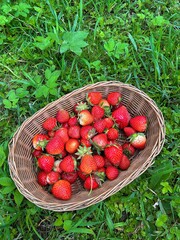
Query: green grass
(135,42)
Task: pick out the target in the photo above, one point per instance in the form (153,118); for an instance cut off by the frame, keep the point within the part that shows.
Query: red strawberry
(87,131)
(91,183)
(55,146)
(46,163)
(68,164)
(62,133)
(93,98)
(37,153)
(71,177)
(109,122)
(97,112)
(114,153)
(52,177)
(50,124)
(73,121)
(100,141)
(85,118)
(62,116)
(112,172)
(99,161)
(114,98)
(72,145)
(128,149)
(121,116)
(85,142)
(104,103)
(51,133)
(100,125)
(139,123)
(42,178)
(74,131)
(81,175)
(62,190)
(56,167)
(112,134)
(125,162)
(78,107)
(138,140)
(128,131)
(88,164)
(39,141)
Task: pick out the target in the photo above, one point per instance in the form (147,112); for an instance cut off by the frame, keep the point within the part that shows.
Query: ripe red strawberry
(71,177)
(56,167)
(128,131)
(42,178)
(91,183)
(62,116)
(72,145)
(112,134)
(128,149)
(88,164)
(114,154)
(39,141)
(52,177)
(68,164)
(114,98)
(55,146)
(87,132)
(125,162)
(81,175)
(46,163)
(139,123)
(138,140)
(100,141)
(78,107)
(85,118)
(93,98)
(121,116)
(37,153)
(50,124)
(100,125)
(109,122)
(99,160)
(74,131)
(62,133)
(85,142)
(51,133)
(73,121)
(62,190)
(112,172)
(97,112)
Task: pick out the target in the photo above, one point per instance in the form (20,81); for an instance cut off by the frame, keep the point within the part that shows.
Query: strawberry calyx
(82,151)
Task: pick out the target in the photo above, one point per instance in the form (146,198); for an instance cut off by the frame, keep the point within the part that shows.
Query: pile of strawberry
(84,144)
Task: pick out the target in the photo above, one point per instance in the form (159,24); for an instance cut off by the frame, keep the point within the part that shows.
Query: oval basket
(20,148)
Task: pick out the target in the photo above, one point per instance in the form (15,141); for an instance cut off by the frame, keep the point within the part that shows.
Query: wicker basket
(20,148)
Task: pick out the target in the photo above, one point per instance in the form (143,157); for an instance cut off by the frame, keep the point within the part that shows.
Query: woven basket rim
(73,205)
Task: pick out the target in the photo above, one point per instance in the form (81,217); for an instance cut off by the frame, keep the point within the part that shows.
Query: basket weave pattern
(20,148)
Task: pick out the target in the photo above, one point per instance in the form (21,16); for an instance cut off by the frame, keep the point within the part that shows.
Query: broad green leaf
(18,197)
(81,230)
(8,189)
(67,225)
(3,20)
(159,21)
(2,156)
(7,103)
(42,91)
(110,45)
(161,220)
(74,41)
(42,43)
(58,222)
(6,181)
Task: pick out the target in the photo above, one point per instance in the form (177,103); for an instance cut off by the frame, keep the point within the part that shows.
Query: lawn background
(50,48)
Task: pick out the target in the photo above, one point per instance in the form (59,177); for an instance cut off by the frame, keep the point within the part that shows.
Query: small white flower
(155,205)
